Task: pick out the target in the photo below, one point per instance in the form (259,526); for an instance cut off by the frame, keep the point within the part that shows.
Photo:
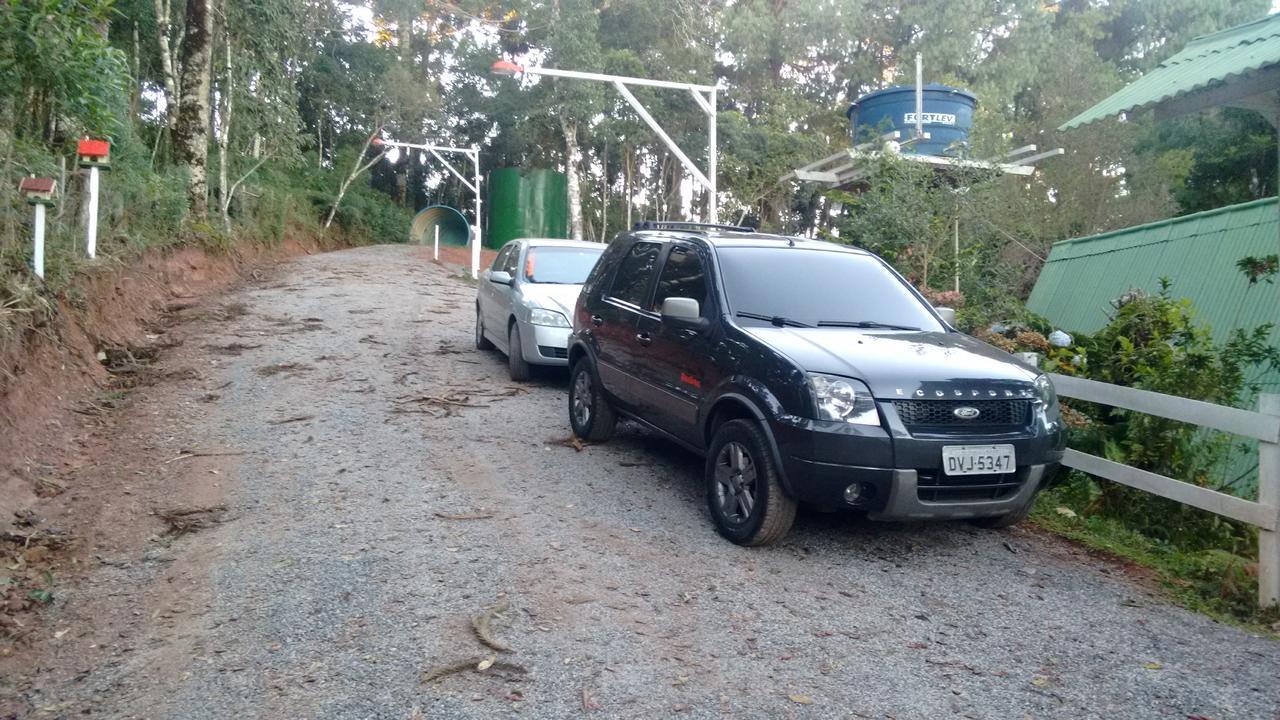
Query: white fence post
(91,232)
(437,250)
(37,242)
(1269,495)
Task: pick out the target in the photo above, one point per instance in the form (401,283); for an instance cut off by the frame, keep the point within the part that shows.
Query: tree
(191,129)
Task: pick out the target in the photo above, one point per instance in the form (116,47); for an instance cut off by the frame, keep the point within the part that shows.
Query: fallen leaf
(1040,681)
(800,699)
(486,663)
(1152,665)
(680,680)
(1065,512)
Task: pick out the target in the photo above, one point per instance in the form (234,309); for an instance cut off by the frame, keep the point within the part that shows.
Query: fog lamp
(853,494)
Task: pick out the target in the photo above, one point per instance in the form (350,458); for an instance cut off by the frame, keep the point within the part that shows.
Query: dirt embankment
(58,370)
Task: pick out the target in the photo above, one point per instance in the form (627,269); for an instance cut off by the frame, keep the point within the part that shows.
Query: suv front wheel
(744,495)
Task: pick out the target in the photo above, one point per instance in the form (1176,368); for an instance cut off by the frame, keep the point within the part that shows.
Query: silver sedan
(525,300)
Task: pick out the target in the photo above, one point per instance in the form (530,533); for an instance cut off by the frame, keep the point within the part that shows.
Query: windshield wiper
(775,320)
(869,324)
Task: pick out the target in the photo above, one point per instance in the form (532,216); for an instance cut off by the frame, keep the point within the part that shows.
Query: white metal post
(91,237)
(476,238)
(1269,496)
(713,212)
(919,96)
(37,245)
(436,252)
(706,102)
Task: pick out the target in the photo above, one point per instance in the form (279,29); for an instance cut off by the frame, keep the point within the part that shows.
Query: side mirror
(501,277)
(947,314)
(683,312)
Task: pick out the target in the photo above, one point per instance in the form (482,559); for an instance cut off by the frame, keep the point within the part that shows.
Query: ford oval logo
(966,413)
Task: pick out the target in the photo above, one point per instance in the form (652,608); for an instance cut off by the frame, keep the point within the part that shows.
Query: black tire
(590,415)
(747,502)
(482,342)
(998,522)
(516,365)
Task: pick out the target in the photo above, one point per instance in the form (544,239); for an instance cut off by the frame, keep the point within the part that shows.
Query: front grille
(937,487)
(991,413)
(554,352)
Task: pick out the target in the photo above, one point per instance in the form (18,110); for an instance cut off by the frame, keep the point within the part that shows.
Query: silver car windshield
(559,265)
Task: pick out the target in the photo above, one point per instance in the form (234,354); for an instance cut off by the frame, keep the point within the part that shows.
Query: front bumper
(900,475)
(549,346)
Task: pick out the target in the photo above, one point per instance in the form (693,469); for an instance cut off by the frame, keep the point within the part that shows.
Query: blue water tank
(948,116)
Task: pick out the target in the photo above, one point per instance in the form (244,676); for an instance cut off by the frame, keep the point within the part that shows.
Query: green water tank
(527,203)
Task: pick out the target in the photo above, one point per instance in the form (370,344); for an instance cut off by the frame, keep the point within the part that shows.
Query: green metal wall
(1198,253)
(527,203)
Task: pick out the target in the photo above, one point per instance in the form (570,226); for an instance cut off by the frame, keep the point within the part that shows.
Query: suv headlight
(1045,391)
(843,400)
(550,318)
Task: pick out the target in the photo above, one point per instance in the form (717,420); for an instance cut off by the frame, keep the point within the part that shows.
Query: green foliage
(56,68)
(1214,159)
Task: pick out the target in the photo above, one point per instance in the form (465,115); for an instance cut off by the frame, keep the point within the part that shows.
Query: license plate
(977,459)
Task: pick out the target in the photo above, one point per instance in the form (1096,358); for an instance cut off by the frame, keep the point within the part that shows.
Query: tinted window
(512,261)
(560,265)
(814,286)
(501,259)
(634,272)
(682,276)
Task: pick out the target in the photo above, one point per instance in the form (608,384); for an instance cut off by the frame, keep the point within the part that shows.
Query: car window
(512,261)
(682,276)
(819,287)
(501,259)
(560,265)
(631,282)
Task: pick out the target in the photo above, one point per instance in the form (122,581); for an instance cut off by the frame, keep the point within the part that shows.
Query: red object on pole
(505,67)
(93,153)
(377,141)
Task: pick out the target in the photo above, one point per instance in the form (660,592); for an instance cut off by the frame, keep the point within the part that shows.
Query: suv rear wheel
(590,415)
(746,500)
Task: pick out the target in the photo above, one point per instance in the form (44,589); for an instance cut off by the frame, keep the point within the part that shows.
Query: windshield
(559,265)
(796,287)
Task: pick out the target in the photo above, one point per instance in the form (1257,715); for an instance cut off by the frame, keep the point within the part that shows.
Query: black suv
(806,372)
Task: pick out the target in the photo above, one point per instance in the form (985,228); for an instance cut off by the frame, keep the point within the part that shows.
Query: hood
(904,364)
(561,298)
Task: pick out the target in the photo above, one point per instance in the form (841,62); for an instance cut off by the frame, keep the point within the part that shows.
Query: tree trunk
(191,130)
(571,156)
(356,169)
(604,194)
(627,187)
(224,138)
(166,62)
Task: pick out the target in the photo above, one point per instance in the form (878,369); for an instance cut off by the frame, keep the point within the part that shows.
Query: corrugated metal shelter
(1238,66)
(1198,253)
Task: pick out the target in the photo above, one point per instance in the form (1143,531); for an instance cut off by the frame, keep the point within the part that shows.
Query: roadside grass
(1220,584)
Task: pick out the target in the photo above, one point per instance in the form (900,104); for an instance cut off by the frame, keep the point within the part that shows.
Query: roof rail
(676,225)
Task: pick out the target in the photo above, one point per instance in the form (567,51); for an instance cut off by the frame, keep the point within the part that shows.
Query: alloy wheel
(582,398)
(735,482)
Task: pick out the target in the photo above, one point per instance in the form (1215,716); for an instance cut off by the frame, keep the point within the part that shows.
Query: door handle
(643,339)
(597,320)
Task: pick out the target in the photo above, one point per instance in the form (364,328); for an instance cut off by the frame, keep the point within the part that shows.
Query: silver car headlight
(549,318)
(1045,391)
(843,400)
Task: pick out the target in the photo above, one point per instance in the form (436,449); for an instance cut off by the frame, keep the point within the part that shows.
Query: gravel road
(393,483)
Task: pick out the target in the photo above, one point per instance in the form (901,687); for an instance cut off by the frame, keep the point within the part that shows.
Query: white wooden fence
(1263,426)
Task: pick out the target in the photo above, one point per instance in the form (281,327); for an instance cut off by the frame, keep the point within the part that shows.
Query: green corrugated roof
(1198,253)
(1206,61)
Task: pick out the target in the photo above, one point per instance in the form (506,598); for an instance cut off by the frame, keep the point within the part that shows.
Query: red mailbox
(38,191)
(94,153)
